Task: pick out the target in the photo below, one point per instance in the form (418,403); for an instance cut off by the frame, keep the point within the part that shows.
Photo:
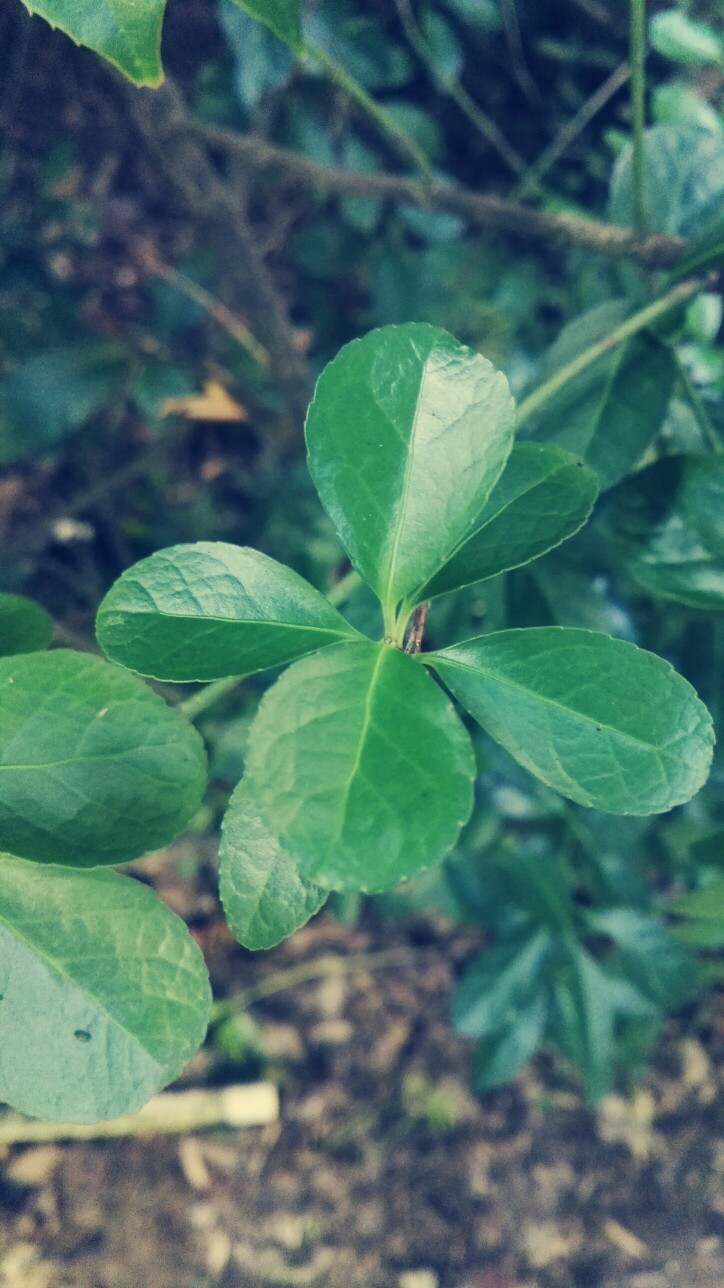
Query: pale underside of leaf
(104,993)
(94,767)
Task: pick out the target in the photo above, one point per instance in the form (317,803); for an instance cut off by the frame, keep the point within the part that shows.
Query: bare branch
(569,231)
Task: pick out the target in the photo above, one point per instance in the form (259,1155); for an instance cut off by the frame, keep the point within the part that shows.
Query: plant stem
(198,703)
(700,413)
(479,119)
(678,294)
(480,210)
(305,972)
(404,145)
(637,55)
(531,180)
(342,589)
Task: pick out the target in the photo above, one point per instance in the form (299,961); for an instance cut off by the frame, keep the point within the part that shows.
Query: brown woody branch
(569,231)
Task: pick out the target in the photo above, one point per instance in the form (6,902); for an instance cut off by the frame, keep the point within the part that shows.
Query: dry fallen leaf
(214,403)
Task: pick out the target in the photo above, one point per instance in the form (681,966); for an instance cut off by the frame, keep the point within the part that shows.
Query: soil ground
(384,1164)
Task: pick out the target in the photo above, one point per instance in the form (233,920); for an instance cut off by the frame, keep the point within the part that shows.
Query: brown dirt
(384,1163)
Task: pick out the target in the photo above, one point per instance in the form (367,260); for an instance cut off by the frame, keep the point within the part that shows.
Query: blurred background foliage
(140,407)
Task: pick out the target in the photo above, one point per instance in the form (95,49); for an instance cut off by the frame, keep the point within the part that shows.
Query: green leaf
(360,767)
(702,500)
(126,32)
(104,994)
(407,435)
(205,611)
(610,413)
(265,897)
(683,40)
(650,958)
(498,984)
(25,627)
(587,1020)
(280,16)
(700,905)
(94,767)
(261,63)
(675,564)
(684,169)
(542,497)
(500,1055)
(596,718)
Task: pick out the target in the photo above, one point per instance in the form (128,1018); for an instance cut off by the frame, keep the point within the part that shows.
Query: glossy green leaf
(501,1054)
(204,611)
(596,718)
(126,32)
(264,895)
(611,412)
(684,169)
(103,993)
(280,16)
(25,627)
(683,40)
(542,497)
(94,767)
(360,767)
(407,435)
(498,983)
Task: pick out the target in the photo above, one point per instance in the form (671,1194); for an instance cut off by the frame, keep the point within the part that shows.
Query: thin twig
(637,57)
(200,701)
(698,409)
(163,121)
(173,1112)
(450,86)
(233,325)
(561,228)
(404,145)
(571,130)
(638,321)
(417,629)
(322,968)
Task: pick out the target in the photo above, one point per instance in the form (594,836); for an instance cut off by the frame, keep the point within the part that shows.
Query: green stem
(678,294)
(637,55)
(481,122)
(198,703)
(343,589)
(700,413)
(400,139)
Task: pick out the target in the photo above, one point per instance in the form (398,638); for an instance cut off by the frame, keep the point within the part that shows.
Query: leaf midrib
(364,729)
(539,697)
(232,621)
